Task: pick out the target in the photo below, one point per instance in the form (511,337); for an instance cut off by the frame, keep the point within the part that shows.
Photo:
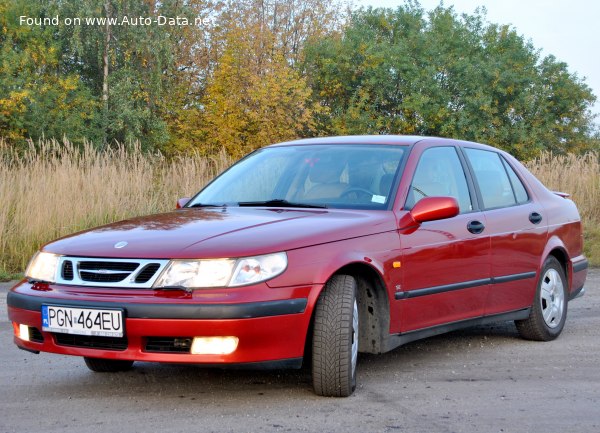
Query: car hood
(222,232)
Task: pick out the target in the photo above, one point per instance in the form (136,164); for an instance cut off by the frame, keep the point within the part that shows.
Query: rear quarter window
(492,178)
(520,192)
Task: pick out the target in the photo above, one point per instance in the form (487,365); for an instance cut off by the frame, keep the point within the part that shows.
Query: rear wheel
(100,365)
(335,338)
(549,311)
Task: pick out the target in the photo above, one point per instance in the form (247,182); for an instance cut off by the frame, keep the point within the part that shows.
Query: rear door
(445,264)
(517,227)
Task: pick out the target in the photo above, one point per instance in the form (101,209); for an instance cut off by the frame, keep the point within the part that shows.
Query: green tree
(37,96)
(130,68)
(102,82)
(405,71)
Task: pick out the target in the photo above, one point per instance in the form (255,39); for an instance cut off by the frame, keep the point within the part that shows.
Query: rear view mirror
(430,209)
(182,202)
(434,208)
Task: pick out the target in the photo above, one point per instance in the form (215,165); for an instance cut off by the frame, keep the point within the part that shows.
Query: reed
(54,189)
(578,175)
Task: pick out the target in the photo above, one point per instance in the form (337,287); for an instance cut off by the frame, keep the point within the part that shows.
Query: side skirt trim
(397,340)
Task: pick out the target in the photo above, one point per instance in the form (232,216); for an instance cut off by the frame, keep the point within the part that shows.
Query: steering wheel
(358,192)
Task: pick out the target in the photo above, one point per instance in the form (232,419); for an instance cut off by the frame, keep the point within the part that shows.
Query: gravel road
(484,379)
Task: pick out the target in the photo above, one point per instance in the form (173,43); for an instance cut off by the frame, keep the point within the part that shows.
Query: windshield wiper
(208,205)
(279,202)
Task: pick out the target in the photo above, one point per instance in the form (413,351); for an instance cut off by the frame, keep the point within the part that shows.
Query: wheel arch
(373,306)
(557,249)
(561,255)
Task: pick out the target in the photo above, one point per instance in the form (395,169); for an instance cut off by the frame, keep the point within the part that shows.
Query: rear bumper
(577,293)
(579,270)
(270,332)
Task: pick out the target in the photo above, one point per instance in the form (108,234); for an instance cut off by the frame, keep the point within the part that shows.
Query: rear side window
(518,188)
(440,173)
(492,178)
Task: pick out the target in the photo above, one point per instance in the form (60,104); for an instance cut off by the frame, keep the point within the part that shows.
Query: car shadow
(195,382)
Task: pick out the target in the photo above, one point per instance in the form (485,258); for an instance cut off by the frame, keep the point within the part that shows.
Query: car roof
(397,140)
(400,140)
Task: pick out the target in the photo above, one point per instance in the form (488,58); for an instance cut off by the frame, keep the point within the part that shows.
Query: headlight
(42,267)
(260,268)
(196,273)
(222,272)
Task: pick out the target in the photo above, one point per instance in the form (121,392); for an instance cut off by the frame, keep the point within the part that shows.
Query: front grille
(148,272)
(101,277)
(105,272)
(91,342)
(67,270)
(168,344)
(126,267)
(123,273)
(35,335)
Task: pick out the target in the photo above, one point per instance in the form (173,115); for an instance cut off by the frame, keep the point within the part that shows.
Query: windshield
(332,176)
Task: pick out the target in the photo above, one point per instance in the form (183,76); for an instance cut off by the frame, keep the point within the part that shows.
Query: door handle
(475,227)
(535,217)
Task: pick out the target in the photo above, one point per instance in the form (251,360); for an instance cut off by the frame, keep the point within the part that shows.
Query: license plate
(82,321)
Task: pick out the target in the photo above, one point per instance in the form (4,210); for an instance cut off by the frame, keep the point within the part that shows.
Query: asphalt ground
(483,379)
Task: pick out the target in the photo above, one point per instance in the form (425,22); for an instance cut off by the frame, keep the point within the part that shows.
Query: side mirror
(182,202)
(434,208)
(430,209)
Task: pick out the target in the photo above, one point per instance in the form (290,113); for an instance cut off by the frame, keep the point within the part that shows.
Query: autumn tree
(265,36)
(253,100)
(405,71)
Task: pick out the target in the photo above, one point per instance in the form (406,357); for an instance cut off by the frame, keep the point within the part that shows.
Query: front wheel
(549,311)
(335,338)
(100,365)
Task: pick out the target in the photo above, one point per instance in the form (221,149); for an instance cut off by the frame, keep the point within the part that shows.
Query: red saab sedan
(313,250)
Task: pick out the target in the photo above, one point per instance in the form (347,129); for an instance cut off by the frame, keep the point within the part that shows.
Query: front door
(445,264)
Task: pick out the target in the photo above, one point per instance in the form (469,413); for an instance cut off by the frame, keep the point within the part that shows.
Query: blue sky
(568,29)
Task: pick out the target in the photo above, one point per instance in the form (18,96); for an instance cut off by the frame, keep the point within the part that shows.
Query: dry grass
(578,175)
(54,190)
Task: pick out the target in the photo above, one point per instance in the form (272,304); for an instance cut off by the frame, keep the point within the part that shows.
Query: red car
(313,249)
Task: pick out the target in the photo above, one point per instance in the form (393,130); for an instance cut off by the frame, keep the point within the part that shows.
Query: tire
(100,365)
(335,338)
(549,310)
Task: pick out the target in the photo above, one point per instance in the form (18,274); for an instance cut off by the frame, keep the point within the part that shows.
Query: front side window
(333,176)
(440,173)
(492,178)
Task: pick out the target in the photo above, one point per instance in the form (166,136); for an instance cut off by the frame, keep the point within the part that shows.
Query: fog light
(24,332)
(214,345)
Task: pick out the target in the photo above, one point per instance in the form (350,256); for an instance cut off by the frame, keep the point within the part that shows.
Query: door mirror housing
(434,208)
(182,202)
(430,209)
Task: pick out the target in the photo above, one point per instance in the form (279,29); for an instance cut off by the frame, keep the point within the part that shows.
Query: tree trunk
(105,72)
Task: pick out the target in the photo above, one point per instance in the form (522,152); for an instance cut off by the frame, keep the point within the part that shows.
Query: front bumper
(269,330)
